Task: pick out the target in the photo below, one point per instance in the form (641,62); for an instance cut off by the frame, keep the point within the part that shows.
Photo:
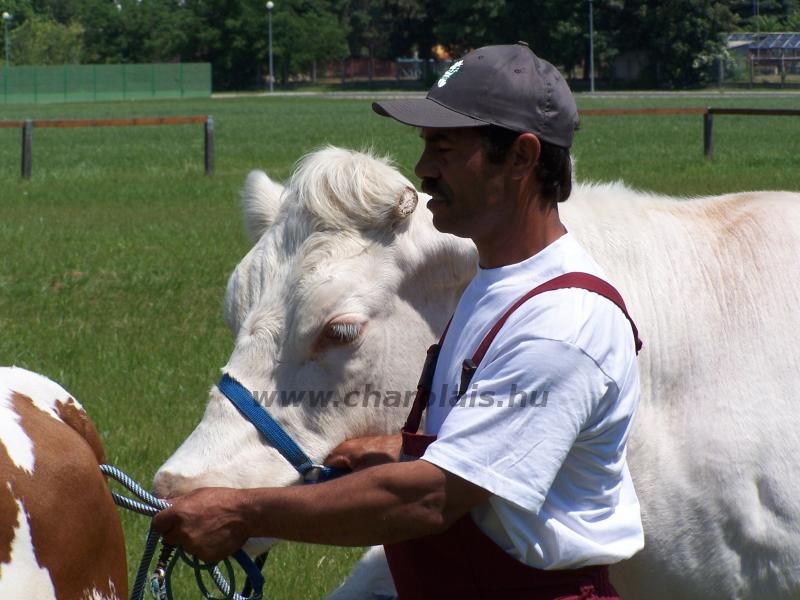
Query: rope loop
(160,580)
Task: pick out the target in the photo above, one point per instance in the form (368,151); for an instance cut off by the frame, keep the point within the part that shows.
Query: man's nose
(425,168)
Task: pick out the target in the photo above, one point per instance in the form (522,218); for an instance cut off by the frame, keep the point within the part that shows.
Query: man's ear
(524,154)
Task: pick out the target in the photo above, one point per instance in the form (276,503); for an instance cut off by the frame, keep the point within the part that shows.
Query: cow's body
(60,534)
(344,294)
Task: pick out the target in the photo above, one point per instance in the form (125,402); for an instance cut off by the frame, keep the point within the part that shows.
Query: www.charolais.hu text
(369,397)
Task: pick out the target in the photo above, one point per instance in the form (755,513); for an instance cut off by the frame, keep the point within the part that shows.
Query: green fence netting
(85,83)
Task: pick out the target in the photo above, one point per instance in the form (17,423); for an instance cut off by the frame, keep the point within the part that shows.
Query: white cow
(347,284)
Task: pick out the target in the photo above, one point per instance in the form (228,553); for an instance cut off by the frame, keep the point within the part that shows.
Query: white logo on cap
(449,73)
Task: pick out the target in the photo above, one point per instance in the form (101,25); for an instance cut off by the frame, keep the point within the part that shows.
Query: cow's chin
(257,546)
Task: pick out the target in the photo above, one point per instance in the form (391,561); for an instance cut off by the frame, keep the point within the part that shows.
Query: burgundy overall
(463,562)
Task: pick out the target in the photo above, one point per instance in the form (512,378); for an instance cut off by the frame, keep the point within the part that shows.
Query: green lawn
(115,255)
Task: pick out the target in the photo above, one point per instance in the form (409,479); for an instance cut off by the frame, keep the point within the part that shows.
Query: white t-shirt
(545,421)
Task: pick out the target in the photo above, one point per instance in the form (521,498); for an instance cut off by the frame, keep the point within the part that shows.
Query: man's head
(502,91)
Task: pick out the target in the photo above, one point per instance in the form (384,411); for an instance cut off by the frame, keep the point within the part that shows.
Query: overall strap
(423,388)
(586,281)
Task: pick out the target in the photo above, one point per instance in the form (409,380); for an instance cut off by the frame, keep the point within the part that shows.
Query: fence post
(209,145)
(27,143)
(708,133)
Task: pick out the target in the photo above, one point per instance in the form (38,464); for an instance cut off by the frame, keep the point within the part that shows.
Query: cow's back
(714,285)
(60,534)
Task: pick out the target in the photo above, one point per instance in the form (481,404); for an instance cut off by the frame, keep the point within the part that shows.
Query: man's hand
(210,523)
(363,452)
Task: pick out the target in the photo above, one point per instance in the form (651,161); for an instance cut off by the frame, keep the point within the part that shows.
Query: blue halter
(276,435)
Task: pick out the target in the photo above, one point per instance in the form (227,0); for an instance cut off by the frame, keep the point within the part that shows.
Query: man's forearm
(381,504)
(377,505)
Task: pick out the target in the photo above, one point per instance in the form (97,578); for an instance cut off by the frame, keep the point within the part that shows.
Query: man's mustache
(433,187)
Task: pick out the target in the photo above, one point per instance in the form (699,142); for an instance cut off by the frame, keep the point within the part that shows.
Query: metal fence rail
(28,125)
(708,121)
(708,117)
(612,112)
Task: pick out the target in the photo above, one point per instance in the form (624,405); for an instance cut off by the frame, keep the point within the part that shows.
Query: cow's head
(332,309)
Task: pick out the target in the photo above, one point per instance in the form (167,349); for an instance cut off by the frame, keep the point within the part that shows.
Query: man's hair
(553,170)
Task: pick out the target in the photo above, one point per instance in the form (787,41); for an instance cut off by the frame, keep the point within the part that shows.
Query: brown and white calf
(60,534)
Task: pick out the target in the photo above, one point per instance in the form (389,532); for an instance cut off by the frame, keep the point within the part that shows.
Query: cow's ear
(261,199)
(405,205)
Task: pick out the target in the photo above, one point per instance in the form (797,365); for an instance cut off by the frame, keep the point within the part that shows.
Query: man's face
(465,188)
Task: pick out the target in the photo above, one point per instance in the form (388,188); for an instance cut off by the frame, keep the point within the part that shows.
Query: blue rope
(160,583)
(149,505)
(276,435)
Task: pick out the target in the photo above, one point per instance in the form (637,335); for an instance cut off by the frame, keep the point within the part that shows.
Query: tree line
(675,37)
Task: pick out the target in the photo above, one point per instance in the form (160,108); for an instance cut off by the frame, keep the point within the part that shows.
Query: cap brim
(424,112)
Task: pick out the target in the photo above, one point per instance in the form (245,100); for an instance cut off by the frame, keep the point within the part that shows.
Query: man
(518,487)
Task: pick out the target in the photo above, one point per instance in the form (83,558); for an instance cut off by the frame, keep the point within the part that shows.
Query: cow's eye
(343,333)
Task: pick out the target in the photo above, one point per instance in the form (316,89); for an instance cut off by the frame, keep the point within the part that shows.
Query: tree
(672,34)
(132,31)
(462,25)
(386,29)
(766,15)
(104,37)
(306,32)
(231,35)
(793,21)
(43,41)
(555,29)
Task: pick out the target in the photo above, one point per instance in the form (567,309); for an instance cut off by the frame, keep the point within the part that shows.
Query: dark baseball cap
(508,86)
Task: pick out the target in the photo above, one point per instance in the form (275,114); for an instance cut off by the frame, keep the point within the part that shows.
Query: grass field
(115,255)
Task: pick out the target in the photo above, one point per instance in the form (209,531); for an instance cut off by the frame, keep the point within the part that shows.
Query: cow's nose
(167,484)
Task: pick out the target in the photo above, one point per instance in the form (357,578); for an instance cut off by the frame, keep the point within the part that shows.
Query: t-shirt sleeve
(514,427)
